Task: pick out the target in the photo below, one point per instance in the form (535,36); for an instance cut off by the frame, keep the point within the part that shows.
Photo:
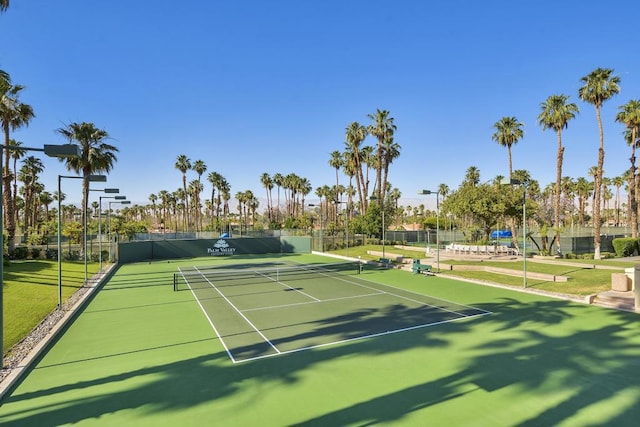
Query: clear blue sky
(269,86)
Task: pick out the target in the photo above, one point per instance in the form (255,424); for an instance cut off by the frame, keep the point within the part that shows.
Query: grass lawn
(582,281)
(30,293)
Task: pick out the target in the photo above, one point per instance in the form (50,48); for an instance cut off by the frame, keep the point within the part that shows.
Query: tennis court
(387,351)
(261,310)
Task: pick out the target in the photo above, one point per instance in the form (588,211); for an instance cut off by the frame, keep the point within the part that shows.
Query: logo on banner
(221,247)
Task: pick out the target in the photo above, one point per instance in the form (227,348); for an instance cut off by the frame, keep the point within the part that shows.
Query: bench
(418,268)
(386,262)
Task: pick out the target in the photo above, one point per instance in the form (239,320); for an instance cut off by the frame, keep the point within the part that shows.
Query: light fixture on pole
(512,181)
(437,193)
(107,191)
(122,202)
(59,151)
(90,178)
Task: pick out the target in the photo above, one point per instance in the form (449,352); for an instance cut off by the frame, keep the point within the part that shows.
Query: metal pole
(100,233)
(1,261)
(59,247)
(524,236)
(383,234)
(84,210)
(109,229)
(438,231)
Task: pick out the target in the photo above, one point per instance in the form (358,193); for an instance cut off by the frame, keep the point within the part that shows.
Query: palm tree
(556,113)
(96,155)
(267,183)
(4,5)
(355,134)
(618,182)
(278,180)
(199,167)
(472,176)
(32,167)
(599,86)
(16,154)
(383,129)
(508,132)
(583,190)
(336,162)
(629,115)
(13,115)
(183,164)
(391,151)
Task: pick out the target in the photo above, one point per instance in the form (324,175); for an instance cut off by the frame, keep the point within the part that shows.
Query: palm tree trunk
(556,207)
(597,191)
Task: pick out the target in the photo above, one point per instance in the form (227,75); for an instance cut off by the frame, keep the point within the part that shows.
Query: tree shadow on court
(524,351)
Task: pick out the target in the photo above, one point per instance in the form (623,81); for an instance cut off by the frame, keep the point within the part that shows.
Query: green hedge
(625,246)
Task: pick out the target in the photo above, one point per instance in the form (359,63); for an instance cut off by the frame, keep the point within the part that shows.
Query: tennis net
(207,278)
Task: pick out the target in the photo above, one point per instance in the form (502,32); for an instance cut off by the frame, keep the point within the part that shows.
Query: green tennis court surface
(261,310)
(143,354)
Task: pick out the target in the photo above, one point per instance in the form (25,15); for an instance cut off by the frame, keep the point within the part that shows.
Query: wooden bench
(418,268)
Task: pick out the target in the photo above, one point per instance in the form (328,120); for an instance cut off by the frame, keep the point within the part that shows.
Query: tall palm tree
(391,151)
(267,183)
(16,154)
(278,180)
(199,167)
(183,164)
(556,113)
(96,155)
(629,115)
(28,175)
(618,182)
(383,129)
(13,115)
(599,86)
(584,190)
(4,5)
(472,176)
(508,132)
(355,135)
(336,161)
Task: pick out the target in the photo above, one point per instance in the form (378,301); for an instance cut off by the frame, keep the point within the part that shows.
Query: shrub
(35,253)
(21,252)
(625,246)
(51,254)
(72,256)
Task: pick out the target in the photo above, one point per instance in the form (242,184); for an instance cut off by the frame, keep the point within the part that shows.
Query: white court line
(379,334)
(338,277)
(208,318)
(287,286)
(240,313)
(312,302)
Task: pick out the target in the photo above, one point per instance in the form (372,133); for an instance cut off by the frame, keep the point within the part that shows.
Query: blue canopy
(498,234)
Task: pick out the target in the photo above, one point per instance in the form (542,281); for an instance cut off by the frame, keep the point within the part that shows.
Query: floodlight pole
(90,178)
(122,202)
(437,193)
(512,181)
(59,151)
(111,190)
